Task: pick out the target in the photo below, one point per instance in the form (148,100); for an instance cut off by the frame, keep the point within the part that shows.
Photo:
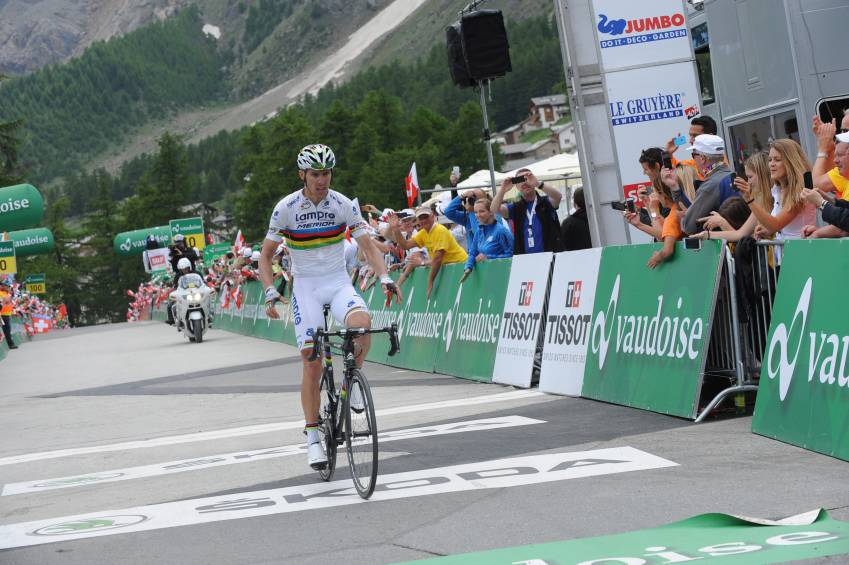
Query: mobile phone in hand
(733,178)
(619,206)
(809,180)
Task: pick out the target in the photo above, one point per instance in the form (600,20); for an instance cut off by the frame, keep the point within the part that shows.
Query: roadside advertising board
(35,284)
(35,241)
(214,251)
(647,107)
(472,319)
(133,242)
(192,229)
(21,206)
(8,262)
(651,328)
(803,397)
(648,32)
(567,326)
(522,319)
(156,260)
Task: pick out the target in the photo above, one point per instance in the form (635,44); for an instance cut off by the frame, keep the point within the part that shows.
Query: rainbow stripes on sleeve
(304,240)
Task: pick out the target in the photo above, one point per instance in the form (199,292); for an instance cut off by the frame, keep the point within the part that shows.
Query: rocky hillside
(35,33)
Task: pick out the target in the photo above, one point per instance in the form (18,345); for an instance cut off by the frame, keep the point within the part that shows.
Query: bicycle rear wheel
(327,430)
(361,434)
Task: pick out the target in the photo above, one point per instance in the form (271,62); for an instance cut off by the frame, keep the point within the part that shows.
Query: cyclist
(313,221)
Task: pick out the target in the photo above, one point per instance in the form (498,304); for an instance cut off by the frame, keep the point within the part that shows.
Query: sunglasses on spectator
(843,130)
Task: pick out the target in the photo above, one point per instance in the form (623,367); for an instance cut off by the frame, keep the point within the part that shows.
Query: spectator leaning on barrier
(709,155)
(698,126)
(671,232)
(836,213)
(6,307)
(440,244)
(790,213)
(826,172)
(724,223)
(575,230)
(535,225)
(491,240)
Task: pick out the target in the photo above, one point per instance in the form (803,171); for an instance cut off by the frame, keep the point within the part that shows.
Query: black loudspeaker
(456,60)
(485,45)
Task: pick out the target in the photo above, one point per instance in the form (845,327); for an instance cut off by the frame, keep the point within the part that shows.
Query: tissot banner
(568,321)
(803,397)
(651,328)
(522,320)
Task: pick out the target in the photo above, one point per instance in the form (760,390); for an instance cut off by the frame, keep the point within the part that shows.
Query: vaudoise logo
(786,366)
(671,335)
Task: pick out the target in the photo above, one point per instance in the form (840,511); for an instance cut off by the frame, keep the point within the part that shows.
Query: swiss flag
(237,297)
(41,324)
(240,242)
(411,184)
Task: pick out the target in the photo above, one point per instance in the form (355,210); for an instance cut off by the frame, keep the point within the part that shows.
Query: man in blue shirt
(534,217)
(491,239)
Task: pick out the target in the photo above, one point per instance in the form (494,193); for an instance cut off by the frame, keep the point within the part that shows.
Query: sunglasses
(843,130)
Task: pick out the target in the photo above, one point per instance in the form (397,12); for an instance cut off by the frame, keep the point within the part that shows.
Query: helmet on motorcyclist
(184,265)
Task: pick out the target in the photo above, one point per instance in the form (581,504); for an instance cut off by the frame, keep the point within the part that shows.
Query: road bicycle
(347,413)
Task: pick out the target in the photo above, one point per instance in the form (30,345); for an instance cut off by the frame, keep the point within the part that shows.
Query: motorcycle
(192,308)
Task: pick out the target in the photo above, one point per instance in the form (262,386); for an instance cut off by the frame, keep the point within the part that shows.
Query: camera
(519,180)
(470,199)
(692,243)
(628,205)
(667,161)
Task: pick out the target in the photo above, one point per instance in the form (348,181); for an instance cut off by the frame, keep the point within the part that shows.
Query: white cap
(247,252)
(255,256)
(179,237)
(708,144)
(386,212)
(843,137)
(423,211)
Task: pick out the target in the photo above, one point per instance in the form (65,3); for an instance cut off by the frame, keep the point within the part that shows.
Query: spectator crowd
(37,315)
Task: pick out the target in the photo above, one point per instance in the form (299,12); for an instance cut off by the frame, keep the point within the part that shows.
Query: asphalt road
(127,444)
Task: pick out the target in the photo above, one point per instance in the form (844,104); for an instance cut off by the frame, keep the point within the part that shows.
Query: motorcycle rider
(184,267)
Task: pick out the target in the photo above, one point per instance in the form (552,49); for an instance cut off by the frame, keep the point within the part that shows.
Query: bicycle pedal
(321,466)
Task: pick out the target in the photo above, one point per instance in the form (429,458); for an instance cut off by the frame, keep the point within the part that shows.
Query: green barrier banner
(192,229)
(214,251)
(32,242)
(707,538)
(472,319)
(35,284)
(133,242)
(803,396)
(651,328)
(21,206)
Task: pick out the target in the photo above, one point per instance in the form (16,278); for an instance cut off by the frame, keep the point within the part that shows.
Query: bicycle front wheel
(361,434)
(327,431)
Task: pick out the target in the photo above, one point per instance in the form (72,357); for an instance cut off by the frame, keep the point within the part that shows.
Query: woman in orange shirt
(671,232)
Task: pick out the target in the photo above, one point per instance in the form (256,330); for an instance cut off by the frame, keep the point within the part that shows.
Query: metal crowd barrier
(738,338)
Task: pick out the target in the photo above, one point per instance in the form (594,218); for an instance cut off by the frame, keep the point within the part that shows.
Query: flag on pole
(239,243)
(411,183)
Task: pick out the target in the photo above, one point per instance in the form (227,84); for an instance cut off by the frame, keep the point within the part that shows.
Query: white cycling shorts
(310,294)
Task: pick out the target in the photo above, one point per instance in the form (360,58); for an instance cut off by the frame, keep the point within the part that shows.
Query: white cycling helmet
(184,264)
(317,157)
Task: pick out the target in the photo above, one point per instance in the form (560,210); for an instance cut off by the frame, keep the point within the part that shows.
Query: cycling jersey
(315,234)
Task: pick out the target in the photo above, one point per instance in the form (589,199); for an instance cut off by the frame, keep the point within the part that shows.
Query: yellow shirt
(5,309)
(840,182)
(440,239)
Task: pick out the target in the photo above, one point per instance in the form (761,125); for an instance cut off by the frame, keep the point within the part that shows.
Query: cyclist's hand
(272,297)
(390,289)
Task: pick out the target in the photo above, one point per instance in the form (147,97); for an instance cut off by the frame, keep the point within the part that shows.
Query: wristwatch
(540,185)
(822,204)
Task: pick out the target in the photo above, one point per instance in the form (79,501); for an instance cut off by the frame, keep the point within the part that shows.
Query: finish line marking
(256,429)
(500,473)
(208,462)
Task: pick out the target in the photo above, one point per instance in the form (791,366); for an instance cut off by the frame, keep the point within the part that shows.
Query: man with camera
(179,250)
(534,216)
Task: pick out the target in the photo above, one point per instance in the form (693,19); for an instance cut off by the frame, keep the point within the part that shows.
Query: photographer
(534,217)
(180,251)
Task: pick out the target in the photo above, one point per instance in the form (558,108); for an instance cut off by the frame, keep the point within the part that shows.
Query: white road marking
(253,430)
(211,461)
(502,473)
